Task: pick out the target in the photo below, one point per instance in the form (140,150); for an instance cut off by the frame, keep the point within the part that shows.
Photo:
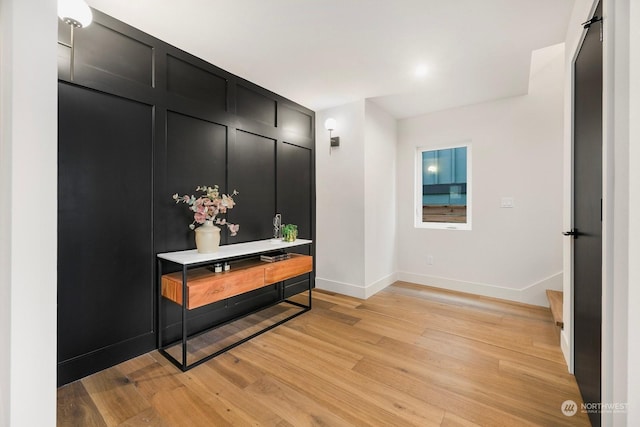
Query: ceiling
(324,53)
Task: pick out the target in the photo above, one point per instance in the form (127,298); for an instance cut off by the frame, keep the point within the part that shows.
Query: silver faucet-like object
(277,226)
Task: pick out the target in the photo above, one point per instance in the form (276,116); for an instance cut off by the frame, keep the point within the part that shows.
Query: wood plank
(389,352)
(555,304)
(225,394)
(452,420)
(149,376)
(468,408)
(183,406)
(464,377)
(295,407)
(469,349)
(149,417)
(115,396)
(338,355)
(238,372)
(76,408)
(409,355)
(343,392)
(220,384)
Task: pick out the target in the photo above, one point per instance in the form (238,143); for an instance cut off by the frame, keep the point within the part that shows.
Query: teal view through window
(444,190)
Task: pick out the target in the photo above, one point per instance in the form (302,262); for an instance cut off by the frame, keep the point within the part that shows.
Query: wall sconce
(330,125)
(77,14)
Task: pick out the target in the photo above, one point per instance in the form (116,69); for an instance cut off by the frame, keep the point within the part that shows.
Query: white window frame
(418,223)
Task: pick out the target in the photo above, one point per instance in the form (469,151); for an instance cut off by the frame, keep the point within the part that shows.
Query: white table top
(231,251)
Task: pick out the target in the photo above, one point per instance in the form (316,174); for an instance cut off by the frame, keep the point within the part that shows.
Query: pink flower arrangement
(208,206)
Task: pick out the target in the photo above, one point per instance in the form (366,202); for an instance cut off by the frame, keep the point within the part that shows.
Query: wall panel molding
(202,126)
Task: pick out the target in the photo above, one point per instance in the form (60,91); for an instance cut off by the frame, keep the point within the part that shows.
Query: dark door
(588,216)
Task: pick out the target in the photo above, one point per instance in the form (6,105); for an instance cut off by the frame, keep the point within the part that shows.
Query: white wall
(5,214)
(340,201)
(621,338)
(355,200)
(615,237)
(28,212)
(633,298)
(516,152)
(379,198)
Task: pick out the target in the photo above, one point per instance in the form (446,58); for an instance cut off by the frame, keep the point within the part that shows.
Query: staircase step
(555,304)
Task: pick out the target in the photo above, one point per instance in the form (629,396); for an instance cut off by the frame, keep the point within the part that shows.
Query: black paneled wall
(140,121)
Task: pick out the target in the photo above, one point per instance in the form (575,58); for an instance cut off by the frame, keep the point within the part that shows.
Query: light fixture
(421,70)
(77,14)
(330,125)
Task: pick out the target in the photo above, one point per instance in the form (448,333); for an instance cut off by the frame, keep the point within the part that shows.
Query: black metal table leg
(184,317)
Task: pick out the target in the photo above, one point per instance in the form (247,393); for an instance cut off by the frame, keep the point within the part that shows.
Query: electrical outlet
(507,202)
(429,259)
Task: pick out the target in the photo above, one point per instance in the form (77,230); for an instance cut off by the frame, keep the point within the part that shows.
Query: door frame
(615,257)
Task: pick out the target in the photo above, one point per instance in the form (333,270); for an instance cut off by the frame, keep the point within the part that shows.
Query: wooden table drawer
(205,287)
(286,269)
(224,285)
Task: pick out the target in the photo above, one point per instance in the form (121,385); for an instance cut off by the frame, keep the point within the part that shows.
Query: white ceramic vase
(207,238)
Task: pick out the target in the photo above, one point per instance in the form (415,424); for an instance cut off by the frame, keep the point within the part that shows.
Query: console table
(196,285)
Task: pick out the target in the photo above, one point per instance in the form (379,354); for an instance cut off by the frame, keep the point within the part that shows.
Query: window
(443,190)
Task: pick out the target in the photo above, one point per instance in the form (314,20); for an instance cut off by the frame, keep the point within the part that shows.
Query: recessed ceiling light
(421,70)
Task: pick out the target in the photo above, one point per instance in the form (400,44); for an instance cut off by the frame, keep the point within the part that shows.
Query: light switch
(507,202)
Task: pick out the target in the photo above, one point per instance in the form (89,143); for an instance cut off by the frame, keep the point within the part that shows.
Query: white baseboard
(348,289)
(379,285)
(356,291)
(536,294)
(533,294)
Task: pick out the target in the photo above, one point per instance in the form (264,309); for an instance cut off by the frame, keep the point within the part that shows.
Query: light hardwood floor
(408,356)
